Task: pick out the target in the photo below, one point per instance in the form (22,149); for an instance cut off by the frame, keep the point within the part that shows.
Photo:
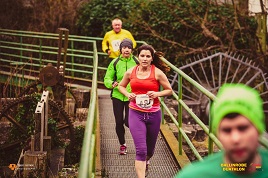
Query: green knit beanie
(241,99)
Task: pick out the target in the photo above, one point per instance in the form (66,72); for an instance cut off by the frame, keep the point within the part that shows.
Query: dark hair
(231,115)
(156,57)
(126,42)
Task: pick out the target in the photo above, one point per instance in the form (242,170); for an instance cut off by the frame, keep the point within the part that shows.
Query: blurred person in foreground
(112,39)
(238,121)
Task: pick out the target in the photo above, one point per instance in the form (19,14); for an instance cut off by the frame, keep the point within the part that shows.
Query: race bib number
(143,101)
(116,44)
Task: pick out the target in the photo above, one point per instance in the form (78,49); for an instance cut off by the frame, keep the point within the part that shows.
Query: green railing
(182,104)
(88,155)
(23,52)
(178,121)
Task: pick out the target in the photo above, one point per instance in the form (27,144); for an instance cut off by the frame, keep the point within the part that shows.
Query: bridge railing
(178,121)
(212,139)
(89,148)
(24,53)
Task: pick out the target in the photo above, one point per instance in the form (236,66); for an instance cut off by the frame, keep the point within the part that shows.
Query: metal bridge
(23,56)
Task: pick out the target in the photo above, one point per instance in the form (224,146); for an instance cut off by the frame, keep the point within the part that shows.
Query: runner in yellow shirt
(113,38)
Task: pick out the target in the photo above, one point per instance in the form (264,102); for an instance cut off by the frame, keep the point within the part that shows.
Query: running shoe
(147,165)
(123,150)
(147,168)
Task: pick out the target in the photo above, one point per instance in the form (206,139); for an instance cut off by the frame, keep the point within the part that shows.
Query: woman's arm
(162,79)
(123,84)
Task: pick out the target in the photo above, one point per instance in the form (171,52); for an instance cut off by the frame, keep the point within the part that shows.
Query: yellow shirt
(112,41)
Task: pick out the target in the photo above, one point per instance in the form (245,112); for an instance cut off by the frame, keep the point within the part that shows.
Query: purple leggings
(144,128)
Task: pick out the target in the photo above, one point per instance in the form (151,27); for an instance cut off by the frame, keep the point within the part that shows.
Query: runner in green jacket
(113,76)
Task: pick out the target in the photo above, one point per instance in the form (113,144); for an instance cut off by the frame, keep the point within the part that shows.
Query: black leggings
(119,107)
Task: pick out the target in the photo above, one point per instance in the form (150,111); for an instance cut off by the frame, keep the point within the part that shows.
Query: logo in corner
(256,167)
(12,166)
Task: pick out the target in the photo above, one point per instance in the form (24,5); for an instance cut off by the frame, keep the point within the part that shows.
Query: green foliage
(25,117)
(192,27)
(72,155)
(94,18)
(52,129)
(179,28)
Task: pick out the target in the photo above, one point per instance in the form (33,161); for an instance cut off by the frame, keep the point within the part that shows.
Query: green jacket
(121,67)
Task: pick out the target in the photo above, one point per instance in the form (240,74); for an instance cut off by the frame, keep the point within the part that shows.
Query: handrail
(87,160)
(36,49)
(181,132)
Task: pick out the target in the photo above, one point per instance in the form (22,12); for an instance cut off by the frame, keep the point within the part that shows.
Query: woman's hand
(131,96)
(115,83)
(152,94)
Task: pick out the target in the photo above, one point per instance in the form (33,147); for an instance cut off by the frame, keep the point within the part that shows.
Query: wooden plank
(173,144)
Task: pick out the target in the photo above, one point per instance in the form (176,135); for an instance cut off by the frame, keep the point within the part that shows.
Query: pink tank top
(140,87)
